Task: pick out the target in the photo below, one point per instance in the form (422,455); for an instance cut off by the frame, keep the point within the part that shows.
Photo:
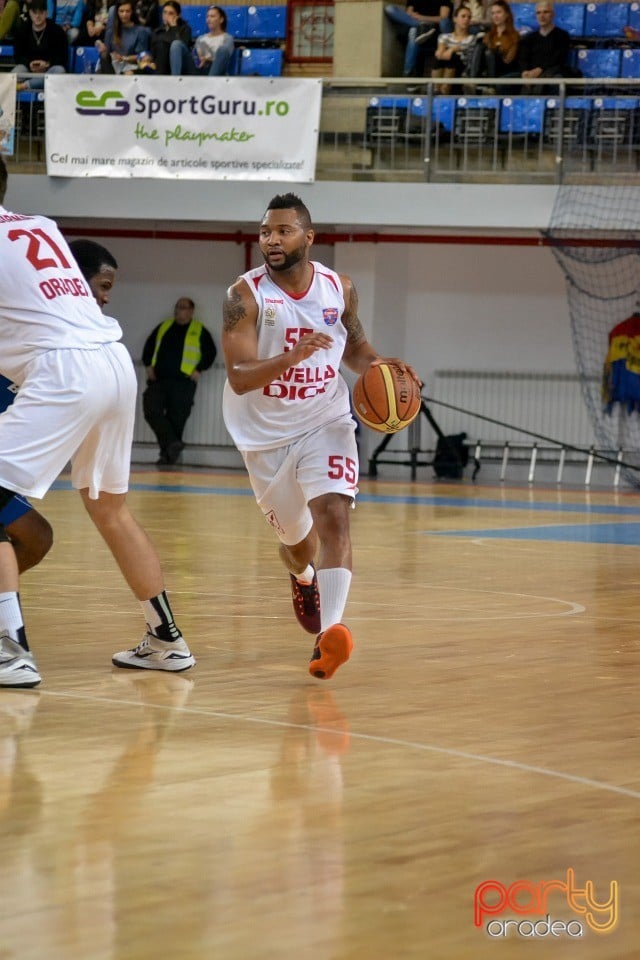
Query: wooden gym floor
(486,729)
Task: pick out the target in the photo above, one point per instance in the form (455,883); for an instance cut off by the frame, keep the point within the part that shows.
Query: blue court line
(622,534)
(403,499)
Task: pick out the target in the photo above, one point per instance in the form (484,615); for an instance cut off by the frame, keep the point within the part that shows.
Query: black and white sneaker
(155,654)
(17,666)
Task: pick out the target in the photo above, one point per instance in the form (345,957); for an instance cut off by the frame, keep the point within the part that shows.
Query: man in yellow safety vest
(177,351)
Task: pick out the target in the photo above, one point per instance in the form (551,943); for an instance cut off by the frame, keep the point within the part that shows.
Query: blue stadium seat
(442,109)
(475,120)
(570,16)
(388,121)
(196,17)
(521,115)
(6,51)
(574,123)
(524,16)
(85,60)
(393,103)
(236,21)
(634,15)
(30,96)
(613,123)
(263,62)
(605,19)
(444,112)
(630,66)
(266,23)
(599,63)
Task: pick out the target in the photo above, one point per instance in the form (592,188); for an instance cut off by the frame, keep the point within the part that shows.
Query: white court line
(366,737)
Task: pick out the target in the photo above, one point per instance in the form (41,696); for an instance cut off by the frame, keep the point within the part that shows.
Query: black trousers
(166,405)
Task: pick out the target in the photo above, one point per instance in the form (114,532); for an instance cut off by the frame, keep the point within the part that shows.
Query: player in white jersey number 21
(76,401)
(288,326)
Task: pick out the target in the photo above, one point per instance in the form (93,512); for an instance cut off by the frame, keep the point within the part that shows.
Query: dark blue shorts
(16,508)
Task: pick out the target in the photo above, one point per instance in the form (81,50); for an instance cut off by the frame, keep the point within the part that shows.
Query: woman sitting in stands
(212,51)
(454,50)
(173,29)
(124,40)
(496,55)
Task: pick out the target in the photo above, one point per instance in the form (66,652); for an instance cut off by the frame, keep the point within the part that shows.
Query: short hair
(4,177)
(91,257)
(223,16)
(192,305)
(289,201)
(37,5)
(174,4)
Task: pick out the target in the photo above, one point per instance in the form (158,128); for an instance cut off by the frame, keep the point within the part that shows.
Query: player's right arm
(245,370)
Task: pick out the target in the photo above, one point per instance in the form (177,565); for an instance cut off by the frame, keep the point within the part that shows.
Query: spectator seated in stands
(69,16)
(173,28)
(496,54)
(40,47)
(212,51)
(124,40)
(14,11)
(545,51)
(96,16)
(419,23)
(479,24)
(455,49)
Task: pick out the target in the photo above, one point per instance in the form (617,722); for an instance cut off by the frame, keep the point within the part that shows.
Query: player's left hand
(406,367)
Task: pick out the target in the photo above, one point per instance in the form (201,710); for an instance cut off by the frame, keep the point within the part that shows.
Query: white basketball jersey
(308,395)
(45,302)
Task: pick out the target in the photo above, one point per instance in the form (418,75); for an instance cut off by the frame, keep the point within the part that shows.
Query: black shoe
(174,450)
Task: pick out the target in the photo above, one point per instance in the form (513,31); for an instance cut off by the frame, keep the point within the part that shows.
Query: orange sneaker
(306,603)
(333,648)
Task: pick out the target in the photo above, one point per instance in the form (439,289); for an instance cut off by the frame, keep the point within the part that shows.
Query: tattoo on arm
(351,320)
(233,310)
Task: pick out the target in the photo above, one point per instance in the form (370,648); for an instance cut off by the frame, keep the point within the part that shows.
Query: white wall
(464,307)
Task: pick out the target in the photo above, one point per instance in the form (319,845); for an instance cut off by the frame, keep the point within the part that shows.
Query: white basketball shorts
(74,405)
(285,479)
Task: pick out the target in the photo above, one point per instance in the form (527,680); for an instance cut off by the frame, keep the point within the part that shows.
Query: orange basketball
(386,398)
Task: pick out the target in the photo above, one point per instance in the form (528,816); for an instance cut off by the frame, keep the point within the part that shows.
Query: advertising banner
(196,128)
(7,113)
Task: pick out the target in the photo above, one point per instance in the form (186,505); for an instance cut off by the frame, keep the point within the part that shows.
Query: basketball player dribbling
(288,325)
(76,401)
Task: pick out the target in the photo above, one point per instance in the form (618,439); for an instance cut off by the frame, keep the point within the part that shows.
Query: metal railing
(579,131)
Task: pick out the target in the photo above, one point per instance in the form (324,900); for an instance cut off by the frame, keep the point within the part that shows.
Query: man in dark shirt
(545,52)
(39,46)
(419,21)
(175,354)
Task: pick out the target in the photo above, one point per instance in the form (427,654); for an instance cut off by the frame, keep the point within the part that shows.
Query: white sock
(333,586)
(306,576)
(11,620)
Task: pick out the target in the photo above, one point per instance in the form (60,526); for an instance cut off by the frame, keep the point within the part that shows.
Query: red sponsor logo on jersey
(62,287)
(300,383)
(330,315)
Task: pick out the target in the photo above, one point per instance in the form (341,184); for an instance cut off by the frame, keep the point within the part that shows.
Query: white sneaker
(155,654)
(17,666)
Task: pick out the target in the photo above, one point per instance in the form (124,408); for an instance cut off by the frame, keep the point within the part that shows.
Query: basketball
(386,398)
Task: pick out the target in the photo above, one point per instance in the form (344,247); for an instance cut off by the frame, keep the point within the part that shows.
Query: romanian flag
(621,376)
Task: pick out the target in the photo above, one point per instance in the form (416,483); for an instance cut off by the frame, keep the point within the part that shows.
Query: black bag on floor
(452,453)
(452,456)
